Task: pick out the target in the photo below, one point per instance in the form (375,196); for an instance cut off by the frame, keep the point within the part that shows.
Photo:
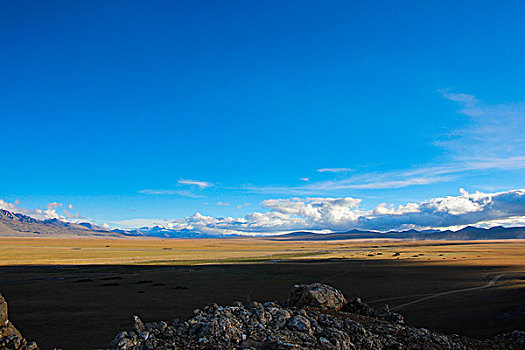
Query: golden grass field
(69,251)
(85,286)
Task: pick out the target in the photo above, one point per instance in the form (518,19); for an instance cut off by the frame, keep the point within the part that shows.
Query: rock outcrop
(317,295)
(316,316)
(10,337)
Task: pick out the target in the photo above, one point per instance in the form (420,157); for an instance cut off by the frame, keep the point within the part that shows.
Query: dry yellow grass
(69,251)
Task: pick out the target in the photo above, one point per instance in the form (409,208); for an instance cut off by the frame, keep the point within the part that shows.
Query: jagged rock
(10,337)
(3,311)
(317,295)
(300,324)
(356,306)
(138,326)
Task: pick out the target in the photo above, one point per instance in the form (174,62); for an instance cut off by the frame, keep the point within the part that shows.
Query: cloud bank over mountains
(336,214)
(340,214)
(50,211)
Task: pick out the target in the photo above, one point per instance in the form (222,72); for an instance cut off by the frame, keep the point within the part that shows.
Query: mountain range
(20,225)
(467,233)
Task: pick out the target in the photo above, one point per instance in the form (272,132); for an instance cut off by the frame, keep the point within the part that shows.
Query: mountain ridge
(21,225)
(466,233)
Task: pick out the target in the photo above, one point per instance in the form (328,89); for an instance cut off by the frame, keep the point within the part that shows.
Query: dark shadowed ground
(84,307)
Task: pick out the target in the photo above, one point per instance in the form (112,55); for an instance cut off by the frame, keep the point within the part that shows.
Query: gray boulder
(316,295)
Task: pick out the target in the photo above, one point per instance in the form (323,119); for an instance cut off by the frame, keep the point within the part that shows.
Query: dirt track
(491,283)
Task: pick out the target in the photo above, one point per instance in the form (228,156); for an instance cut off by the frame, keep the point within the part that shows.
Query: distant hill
(20,225)
(467,233)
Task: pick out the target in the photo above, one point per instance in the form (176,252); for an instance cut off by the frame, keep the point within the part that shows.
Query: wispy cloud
(185,188)
(162,192)
(370,181)
(493,139)
(200,184)
(54,205)
(334,170)
(493,135)
(158,192)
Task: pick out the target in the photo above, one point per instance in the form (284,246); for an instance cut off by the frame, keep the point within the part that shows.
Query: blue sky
(158,110)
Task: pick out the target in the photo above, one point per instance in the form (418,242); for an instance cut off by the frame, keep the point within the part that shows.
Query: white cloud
(468,100)
(222,204)
(340,214)
(450,211)
(53,206)
(334,170)
(200,184)
(71,217)
(306,179)
(513,221)
(8,206)
(182,190)
(389,209)
(49,212)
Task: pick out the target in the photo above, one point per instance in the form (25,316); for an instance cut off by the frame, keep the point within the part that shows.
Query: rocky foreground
(10,337)
(315,316)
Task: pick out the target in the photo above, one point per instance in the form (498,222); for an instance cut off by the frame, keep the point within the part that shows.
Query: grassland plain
(77,293)
(85,251)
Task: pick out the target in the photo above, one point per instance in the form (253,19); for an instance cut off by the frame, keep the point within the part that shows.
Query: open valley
(80,293)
